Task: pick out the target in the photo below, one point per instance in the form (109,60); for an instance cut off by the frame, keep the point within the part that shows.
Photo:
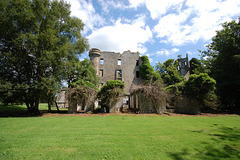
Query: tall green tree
(147,72)
(223,59)
(38,38)
(196,66)
(169,71)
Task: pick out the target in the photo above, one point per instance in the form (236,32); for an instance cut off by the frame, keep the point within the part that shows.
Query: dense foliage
(110,93)
(200,87)
(155,93)
(38,39)
(223,60)
(84,71)
(169,71)
(196,66)
(82,93)
(147,72)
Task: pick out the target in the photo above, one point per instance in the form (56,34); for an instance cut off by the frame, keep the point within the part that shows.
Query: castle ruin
(118,66)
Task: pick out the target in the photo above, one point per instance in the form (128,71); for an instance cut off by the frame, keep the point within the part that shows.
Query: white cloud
(174,50)
(167,52)
(109,4)
(198,20)
(86,12)
(136,3)
(157,8)
(122,36)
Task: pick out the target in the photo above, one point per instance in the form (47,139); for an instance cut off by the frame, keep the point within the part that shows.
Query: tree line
(40,45)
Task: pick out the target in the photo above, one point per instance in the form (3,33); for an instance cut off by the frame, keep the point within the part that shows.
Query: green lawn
(21,110)
(120,137)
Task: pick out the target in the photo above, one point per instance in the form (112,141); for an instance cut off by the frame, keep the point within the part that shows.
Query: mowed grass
(120,137)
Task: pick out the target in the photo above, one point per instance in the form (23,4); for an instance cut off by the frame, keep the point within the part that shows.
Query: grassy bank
(120,137)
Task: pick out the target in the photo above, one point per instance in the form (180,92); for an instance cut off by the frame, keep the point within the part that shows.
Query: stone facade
(184,66)
(117,66)
(62,99)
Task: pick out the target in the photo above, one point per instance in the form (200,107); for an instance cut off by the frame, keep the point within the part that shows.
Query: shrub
(83,93)
(110,93)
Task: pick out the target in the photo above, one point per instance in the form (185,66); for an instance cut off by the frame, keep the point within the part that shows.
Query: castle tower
(184,66)
(94,55)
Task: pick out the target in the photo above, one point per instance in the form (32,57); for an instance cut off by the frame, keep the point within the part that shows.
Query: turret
(184,66)
(94,55)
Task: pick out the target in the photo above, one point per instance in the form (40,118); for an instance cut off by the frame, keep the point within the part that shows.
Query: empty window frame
(137,74)
(137,62)
(119,74)
(101,73)
(101,61)
(119,62)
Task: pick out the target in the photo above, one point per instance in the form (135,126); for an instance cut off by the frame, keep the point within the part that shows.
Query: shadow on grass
(223,145)
(21,111)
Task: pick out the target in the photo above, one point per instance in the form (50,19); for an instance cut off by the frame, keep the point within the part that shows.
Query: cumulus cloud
(122,36)
(196,21)
(167,52)
(157,8)
(86,12)
(109,4)
(188,21)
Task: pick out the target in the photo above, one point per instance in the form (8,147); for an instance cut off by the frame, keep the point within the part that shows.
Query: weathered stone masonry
(117,66)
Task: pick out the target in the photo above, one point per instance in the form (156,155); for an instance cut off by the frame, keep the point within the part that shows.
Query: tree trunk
(57,107)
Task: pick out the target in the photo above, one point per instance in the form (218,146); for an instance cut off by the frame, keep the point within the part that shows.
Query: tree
(82,70)
(200,87)
(147,72)
(223,57)
(169,71)
(110,93)
(196,66)
(37,39)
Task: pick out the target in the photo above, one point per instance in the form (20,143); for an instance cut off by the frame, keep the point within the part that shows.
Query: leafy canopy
(169,71)
(147,72)
(223,61)
(38,39)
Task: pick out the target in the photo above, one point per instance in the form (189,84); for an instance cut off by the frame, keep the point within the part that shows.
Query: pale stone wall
(184,66)
(110,66)
(62,100)
(108,70)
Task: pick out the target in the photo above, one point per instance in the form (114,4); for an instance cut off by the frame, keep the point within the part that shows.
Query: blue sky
(160,29)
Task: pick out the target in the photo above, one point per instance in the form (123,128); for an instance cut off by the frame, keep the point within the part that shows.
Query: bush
(81,93)
(110,93)
(202,88)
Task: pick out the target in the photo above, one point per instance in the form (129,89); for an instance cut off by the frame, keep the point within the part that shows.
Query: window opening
(119,75)
(102,61)
(119,62)
(137,63)
(101,73)
(137,74)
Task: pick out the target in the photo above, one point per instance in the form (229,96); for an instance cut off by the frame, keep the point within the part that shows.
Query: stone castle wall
(107,66)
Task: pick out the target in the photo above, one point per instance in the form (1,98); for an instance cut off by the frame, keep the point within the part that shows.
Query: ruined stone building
(125,67)
(184,66)
(118,66)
